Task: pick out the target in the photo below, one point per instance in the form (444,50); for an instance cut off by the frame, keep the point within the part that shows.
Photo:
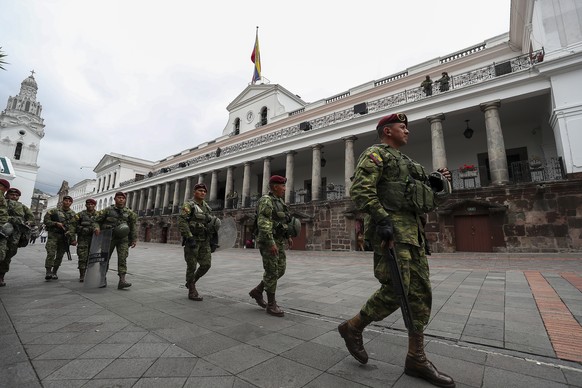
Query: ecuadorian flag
(256,59)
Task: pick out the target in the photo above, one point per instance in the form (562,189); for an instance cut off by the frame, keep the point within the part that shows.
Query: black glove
(191,242)
(385,229)
(213,243)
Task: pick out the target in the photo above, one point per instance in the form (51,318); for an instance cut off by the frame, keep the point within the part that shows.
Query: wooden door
(473,233)
(300,241)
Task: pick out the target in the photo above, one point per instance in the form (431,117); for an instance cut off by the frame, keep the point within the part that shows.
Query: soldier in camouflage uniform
(395,191)
(272,221)
(123,221)
(21,218)
(60,223)
(84,225)
(4,185)
(197,226)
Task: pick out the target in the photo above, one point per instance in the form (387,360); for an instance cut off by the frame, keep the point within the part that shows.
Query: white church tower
(21,129)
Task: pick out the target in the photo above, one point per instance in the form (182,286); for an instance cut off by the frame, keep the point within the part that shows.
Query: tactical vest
(198,220)
(85,223)
(64,217)
(404,188)
(280,218)
(115,217)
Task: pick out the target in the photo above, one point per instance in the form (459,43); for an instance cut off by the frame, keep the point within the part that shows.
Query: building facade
(21,130)
(508,124)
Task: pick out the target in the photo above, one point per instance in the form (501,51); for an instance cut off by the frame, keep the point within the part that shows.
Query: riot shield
(226,234)
(98,262)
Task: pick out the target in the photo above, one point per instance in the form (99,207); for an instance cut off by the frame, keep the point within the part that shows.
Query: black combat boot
(272,307)
(81,275)
(122,283)
(417,365)
(2,283)
(54,274)
(257,294)
(49,274)
(351,331)
(193,292)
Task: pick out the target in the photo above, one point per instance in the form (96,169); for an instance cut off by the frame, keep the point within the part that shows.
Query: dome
(30,81)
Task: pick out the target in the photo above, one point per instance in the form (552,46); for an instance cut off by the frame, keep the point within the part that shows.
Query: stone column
(158,196)
(290,175)
(188,189)
(176,199)
(229,183)
(316,172)
(350,163)
(150,198)
(495,144)
(134,195)
(439,155)
(201,178)
(166,202)
(141,199)
(266,174)
(246,188)
(214,185)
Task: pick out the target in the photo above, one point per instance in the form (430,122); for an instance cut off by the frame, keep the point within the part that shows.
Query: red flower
(467,167)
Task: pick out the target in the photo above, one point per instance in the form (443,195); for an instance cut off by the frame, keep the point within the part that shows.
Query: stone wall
(522,218)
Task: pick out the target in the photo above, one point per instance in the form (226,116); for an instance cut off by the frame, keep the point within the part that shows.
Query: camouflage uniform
(272,215)
(58,239)
(19,216)
(84,225)
(389,184)
(3,241)
(194,222)
(110,218)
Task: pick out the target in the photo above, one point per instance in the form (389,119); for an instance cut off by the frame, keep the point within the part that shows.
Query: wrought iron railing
(537,170)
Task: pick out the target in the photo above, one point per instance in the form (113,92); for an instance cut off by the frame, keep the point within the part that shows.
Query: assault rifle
(398,286)
(55,217)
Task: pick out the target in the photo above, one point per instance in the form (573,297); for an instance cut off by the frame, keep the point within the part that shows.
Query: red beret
(278,179)
(391,119)
(91,200)
(68,197)
(5,183)
(14,190)
(120,194)
(200,186)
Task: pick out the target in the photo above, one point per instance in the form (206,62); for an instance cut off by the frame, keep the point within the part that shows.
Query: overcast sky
(152,78)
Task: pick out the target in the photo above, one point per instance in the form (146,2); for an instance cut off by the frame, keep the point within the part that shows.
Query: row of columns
(495,148)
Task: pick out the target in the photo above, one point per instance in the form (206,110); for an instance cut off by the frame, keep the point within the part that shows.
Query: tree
(2,61)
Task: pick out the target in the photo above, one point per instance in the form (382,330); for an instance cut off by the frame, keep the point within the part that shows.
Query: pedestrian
(426,86)
(20,217)
(123,221)
(60,223)
(198,227)
(85,227)
(382,178)
(43,235)
(272,217)
(444,82)
(4,229)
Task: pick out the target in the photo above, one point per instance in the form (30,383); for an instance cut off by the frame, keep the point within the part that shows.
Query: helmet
(294,227)
(7,229)
(439,184)
(121,231)
(214,224)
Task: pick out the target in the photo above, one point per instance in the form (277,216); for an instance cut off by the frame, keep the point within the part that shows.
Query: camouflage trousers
(11,250)
(122,248)
(4,260)
(198,256)
(56,246)
(274,265)
(415,276)
(83,245)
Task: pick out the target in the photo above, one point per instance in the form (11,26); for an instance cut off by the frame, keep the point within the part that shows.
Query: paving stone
(172,367)
(525,367)
(280,372)
(157,382)
(79,369)
(239,358)
(374,374)
(65,352)
(146,350)
(316,355)
(204,368)
(327,380)
(276,343)
(106,351)
(110,383)
(122,368)
(494,377)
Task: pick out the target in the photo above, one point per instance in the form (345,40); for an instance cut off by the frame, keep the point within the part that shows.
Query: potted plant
(535,162)
(468,171)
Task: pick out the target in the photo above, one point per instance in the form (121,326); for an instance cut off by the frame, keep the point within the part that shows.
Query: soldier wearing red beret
(84,226)
(272,217)
(60,223)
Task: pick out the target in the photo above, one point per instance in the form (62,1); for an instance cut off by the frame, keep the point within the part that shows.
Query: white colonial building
(512,109)
(21,130)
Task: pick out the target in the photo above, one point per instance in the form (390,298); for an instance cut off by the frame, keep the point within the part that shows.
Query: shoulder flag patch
(377,159)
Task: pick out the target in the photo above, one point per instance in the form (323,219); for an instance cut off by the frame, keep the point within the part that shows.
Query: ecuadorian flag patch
(377,159)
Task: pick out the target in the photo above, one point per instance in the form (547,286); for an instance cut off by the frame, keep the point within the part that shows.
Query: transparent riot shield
(227,234)
(98,262)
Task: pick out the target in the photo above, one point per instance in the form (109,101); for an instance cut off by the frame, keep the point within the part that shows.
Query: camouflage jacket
(18,213)
(193,220)
(66,217)
(387,183)
(3,209)
(85,223)
(112,216)
(272,217)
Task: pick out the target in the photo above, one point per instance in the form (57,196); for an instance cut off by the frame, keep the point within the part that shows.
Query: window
(237,126)
(18,151)
(264,116)
(27,106)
